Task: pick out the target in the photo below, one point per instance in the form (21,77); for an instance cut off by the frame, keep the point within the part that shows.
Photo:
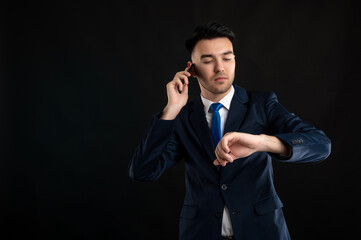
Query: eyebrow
(210,55)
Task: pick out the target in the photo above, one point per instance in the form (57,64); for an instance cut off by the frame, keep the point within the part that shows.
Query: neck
(214,97)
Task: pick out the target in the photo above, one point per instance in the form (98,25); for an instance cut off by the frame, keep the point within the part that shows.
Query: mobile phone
(192,70)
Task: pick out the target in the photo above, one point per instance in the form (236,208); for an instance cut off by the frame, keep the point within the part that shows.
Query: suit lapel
(237,111)
(236,115)
(199,123)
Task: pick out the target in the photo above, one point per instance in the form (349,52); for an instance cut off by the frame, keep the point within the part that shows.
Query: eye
(227,59)
(207,62)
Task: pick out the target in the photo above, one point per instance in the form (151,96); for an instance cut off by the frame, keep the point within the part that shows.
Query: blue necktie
(216,123)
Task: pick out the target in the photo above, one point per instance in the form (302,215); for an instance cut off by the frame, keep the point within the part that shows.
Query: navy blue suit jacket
(246,185)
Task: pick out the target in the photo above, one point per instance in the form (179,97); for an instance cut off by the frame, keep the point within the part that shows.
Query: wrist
(170,112)
(273,145)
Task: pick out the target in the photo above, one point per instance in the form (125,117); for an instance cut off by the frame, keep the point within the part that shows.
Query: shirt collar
(226,100)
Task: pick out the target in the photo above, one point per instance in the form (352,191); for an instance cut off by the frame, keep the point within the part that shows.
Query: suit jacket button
(224,187)
(218,214)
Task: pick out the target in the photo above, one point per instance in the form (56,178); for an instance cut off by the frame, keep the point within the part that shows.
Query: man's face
(215,65)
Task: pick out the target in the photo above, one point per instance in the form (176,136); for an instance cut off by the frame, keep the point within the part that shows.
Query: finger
(232,156)
(178,85)
(220,153)
(185,89)
(186,72)
(218,162)
(184,77)
(182,73)
(188,67)
(226,158)
(223,161)
(224,144)
(217,154)
(184,84)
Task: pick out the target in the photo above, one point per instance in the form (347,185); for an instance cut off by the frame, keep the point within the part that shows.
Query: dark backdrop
(80,82)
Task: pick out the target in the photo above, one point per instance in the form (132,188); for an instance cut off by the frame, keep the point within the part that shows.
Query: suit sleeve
(157,151)
(307,143)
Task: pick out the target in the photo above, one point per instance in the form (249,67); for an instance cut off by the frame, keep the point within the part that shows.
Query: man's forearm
(148,163)
(170,112)
(274,145)
(236,145)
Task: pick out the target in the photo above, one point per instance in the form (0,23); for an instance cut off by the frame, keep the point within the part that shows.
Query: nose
(219,66)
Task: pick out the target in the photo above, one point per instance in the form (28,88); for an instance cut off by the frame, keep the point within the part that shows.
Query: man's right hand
(177,92)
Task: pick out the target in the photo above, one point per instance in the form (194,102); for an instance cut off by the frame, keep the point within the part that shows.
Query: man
(229,180)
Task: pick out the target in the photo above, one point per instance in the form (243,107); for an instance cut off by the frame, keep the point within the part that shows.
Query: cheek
(231,67)
(230,71)
(205,73)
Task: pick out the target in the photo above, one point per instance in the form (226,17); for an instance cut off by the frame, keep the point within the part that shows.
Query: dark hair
(209,30)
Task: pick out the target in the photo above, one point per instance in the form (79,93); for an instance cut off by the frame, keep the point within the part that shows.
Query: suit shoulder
(261,96)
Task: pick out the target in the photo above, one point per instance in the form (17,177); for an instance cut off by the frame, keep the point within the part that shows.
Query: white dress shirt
(227,230)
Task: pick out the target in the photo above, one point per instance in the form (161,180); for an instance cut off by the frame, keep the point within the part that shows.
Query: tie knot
(216,106)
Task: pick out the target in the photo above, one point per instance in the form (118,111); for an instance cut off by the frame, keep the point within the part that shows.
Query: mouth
(220,79)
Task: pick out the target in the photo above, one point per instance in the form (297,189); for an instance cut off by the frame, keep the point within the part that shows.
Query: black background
(80,82)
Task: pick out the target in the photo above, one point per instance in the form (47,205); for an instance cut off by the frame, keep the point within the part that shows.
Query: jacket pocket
(267,205)
(189,211)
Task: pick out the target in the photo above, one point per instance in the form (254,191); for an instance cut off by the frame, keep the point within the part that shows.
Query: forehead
(216,46)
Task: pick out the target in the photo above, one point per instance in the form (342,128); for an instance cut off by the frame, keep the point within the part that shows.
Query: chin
(224,87)
(216,88)
(221,90)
